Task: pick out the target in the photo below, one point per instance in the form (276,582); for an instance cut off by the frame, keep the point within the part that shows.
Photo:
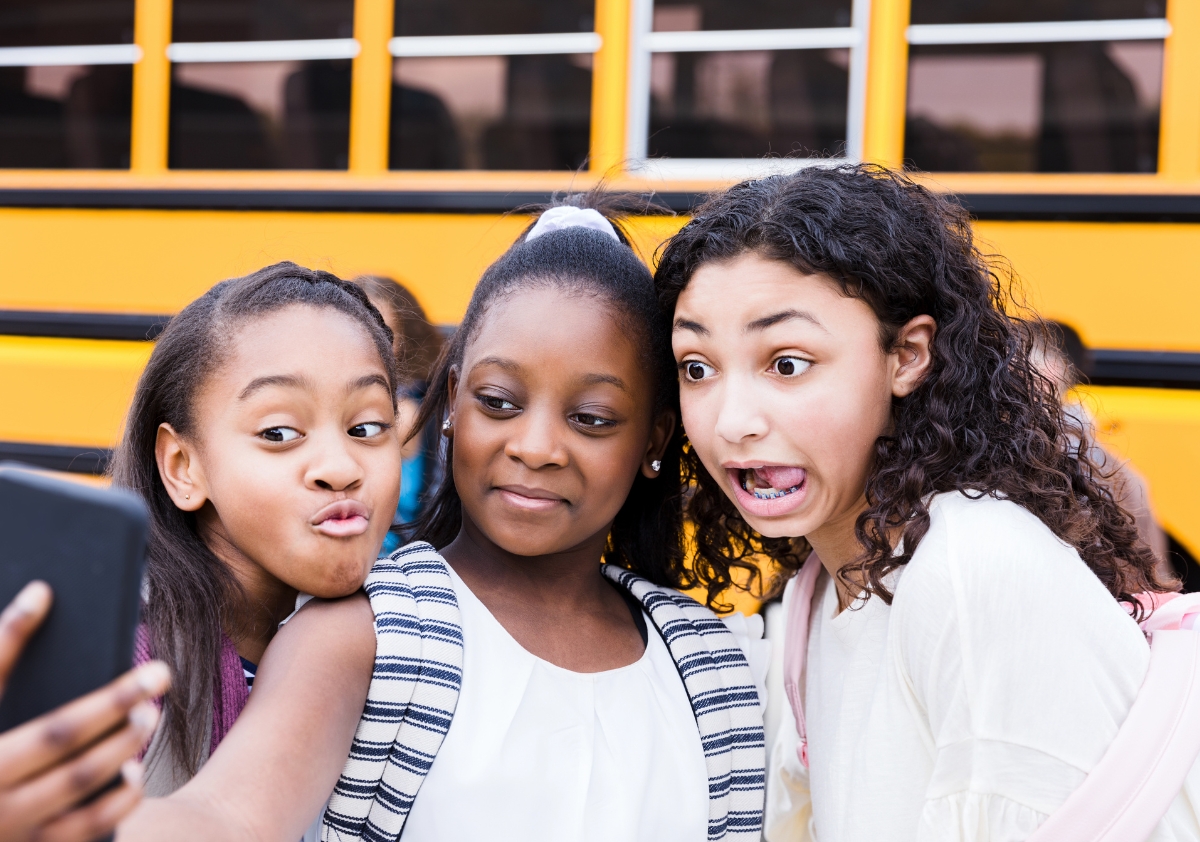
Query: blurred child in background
(1063,359)
(417,344)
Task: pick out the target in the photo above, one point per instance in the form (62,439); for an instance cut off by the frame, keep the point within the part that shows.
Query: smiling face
(784,389)
(294,468)
(552,421)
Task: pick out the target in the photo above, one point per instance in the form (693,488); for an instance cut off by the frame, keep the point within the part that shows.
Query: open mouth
(771,482)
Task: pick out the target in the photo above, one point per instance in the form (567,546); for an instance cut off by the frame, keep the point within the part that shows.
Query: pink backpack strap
(795,645)
(1128,792)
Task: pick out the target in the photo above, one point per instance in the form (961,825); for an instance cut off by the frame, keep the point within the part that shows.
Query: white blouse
(538,753)
(972,706)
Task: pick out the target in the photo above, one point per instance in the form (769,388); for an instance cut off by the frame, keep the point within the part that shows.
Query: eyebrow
(688,324)
(780,317)
(611,379)
(367,381)
(500,362)
(292,381)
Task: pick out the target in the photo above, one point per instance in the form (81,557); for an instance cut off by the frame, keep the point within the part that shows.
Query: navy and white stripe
(418,673)
(720,684)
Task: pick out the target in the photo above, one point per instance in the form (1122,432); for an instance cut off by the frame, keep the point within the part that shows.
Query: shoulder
(984,547)
(992,581)
(344,627)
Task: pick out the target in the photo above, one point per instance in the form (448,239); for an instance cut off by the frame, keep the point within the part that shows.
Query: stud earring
(656,465)
(189,497)
(447,426)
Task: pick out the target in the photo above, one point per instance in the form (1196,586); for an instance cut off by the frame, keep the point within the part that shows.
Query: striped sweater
(418,672)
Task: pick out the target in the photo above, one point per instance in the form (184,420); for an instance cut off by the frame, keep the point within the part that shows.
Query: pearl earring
(187,497)
(656,465)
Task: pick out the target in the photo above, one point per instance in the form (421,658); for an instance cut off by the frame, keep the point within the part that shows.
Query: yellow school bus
(149,148)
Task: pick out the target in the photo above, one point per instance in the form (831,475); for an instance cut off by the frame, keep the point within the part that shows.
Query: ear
(179,468)
(912,355)
(660,437)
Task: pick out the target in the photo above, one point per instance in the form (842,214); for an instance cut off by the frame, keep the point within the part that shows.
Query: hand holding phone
(51,764)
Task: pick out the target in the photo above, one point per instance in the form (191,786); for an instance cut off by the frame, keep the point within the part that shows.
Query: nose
(739,413)
(333,466)
(537,440)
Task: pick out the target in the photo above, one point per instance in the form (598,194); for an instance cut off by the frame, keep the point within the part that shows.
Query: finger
(50,739)
(101,817)
(66,785)
(18,621)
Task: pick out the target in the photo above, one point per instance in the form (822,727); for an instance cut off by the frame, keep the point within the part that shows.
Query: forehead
(298,338)
(736,293)
(554,330)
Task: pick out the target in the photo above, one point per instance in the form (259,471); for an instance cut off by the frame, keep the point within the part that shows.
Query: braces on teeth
(764,494)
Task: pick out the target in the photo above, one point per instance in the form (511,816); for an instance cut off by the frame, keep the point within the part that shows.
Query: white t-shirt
(537,753)
(973,705)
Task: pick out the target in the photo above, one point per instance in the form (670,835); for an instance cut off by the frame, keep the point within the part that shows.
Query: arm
(49,765)
(272,774)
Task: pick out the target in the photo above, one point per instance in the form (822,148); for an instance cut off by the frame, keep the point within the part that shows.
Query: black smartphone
(89,545)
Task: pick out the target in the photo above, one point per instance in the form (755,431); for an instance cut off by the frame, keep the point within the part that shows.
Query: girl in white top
(851,384)
(563,449)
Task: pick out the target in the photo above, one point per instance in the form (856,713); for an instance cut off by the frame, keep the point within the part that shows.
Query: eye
(790,366)
(497,404)
(595,422)
(280,434)
(368,429)
(695,371)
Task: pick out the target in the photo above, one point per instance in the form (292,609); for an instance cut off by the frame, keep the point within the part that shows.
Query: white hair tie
(569,216)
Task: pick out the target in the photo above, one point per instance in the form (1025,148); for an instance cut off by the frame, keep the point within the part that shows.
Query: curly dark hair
(983,422)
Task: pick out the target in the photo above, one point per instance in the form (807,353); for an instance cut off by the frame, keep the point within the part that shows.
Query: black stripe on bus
(1072,207)
(81,325)
(1159,369)
(57,457)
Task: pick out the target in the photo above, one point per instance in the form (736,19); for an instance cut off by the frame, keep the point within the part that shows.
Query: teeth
(771,493)
(766,493)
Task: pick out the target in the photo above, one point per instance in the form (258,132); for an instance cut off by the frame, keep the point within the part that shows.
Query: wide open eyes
(695,371)
(790,366)
(280,435)
(368,429)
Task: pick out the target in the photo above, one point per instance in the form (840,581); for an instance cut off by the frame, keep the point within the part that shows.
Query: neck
(837,546)
(566,578)
(253,618)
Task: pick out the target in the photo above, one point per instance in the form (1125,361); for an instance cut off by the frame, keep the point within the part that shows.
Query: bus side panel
(1120,284)
(1158,430)
(67,391)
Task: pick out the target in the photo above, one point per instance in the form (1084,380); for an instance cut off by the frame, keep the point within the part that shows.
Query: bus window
(748,104)
(1006,86)
(66,89)
(716,80)
(1022,11)
(257,84)
(492,84)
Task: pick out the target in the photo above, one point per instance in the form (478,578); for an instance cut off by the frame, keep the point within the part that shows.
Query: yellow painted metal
(151,87)
(371,89)
(610,72)
(67,391)
(887,82)
(1122,285)
(1179,144)
(156,262)
(1158,430)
